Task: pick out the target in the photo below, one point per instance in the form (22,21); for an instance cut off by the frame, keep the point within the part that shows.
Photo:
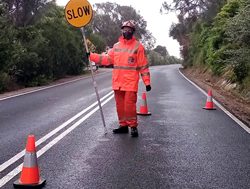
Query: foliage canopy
(215,34)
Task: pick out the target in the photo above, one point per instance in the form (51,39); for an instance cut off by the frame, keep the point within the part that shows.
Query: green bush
(4,81)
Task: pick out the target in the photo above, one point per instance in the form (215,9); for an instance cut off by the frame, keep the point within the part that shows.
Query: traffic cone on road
(30,177)
(209,103)
(144,107)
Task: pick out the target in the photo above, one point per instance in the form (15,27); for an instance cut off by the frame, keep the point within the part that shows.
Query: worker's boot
(121,129)
(134,132)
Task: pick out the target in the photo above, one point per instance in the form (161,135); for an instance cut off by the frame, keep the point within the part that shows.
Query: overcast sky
(157,23)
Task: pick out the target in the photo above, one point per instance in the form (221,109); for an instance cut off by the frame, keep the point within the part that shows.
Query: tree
(98,41)
(238,35)
(108,20)
(190,8)
(8,47)
(154,58)
(24,12)
(189,13)
(63,52)
(46,50)
(215,34)
(160,56)
(161,50)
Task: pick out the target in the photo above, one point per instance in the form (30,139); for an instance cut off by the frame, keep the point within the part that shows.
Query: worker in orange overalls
(129,60)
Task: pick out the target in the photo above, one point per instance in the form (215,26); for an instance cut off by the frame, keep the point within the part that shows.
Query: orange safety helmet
(129,23)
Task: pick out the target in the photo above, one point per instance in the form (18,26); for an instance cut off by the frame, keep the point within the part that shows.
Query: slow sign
(78,13)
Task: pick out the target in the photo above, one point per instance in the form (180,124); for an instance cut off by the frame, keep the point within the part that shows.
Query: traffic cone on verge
(144,108)
(209,103)
(30,177)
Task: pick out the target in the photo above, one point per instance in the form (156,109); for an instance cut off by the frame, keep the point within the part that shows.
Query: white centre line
(17,170)
(46,137)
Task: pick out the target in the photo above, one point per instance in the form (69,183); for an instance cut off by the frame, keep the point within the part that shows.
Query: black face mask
(127,35)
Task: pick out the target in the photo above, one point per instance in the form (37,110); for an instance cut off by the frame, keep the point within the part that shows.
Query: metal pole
(94,82)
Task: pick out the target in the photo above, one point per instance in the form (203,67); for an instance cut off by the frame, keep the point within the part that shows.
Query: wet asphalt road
(179,146)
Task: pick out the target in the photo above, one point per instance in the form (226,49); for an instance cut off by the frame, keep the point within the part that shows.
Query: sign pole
(78,13)
(93,79)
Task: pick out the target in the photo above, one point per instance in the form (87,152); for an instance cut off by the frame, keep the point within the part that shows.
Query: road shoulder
(231,101)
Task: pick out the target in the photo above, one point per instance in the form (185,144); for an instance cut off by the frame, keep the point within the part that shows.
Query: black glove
(87,54)
(148,88)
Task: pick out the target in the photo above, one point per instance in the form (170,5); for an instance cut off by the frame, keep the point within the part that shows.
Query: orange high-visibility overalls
(129,59)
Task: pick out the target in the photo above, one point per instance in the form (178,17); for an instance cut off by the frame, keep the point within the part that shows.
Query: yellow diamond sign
(78,13)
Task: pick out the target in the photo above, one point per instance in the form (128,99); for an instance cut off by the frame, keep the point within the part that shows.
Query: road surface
(179,146)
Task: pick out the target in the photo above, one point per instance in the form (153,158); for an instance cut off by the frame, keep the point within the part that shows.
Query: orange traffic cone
(144,107)
(30,177)
(209,103)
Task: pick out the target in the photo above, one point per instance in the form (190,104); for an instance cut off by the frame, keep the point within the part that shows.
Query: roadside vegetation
(214,37)
(38,46)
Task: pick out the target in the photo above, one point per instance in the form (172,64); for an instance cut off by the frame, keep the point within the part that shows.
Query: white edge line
(240,123)
(43,88)
(50,134)
(17,170)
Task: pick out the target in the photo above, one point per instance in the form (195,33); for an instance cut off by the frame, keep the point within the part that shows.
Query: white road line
(43,88)
(46,137)
(17,170)
(240,123)
(36,90)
